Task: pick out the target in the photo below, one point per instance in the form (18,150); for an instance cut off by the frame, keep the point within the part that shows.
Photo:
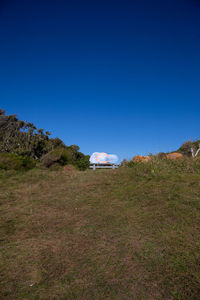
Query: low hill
(131,233)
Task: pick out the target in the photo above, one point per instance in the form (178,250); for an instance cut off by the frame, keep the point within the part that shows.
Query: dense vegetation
(26,144)
(131,233)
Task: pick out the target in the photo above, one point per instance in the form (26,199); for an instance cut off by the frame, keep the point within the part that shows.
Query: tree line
(23,138)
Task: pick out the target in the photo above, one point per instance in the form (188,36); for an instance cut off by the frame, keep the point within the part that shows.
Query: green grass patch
(131,233)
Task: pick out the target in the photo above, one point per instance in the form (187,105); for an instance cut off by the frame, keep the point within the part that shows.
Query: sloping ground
(108,234)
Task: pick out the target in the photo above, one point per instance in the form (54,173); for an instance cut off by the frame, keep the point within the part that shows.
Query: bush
(60,156)
(159,165)
(125,163)
(83,163)
(10,161)
(55,167)
(161,155)
(65,156)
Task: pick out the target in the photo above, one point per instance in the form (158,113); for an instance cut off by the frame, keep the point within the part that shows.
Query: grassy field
(131,233)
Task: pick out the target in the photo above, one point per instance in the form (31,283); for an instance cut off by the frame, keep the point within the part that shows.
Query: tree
(23,138)
(190,148)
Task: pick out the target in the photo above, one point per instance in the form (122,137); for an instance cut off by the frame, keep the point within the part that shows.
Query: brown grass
(110,234)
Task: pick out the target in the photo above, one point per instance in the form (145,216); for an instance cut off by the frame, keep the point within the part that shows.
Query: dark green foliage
(83,163)
(10,161)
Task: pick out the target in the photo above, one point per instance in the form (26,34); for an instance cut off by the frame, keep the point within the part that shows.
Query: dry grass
(112,234)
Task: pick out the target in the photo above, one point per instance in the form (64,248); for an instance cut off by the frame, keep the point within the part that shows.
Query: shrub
(10,161)
(124,163)
(55,167)
(188,146)
(65,156)
(83,163)
(161,155)
(159,165)
(60,156)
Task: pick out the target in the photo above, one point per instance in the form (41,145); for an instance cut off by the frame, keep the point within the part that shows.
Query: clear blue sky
(115,76)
